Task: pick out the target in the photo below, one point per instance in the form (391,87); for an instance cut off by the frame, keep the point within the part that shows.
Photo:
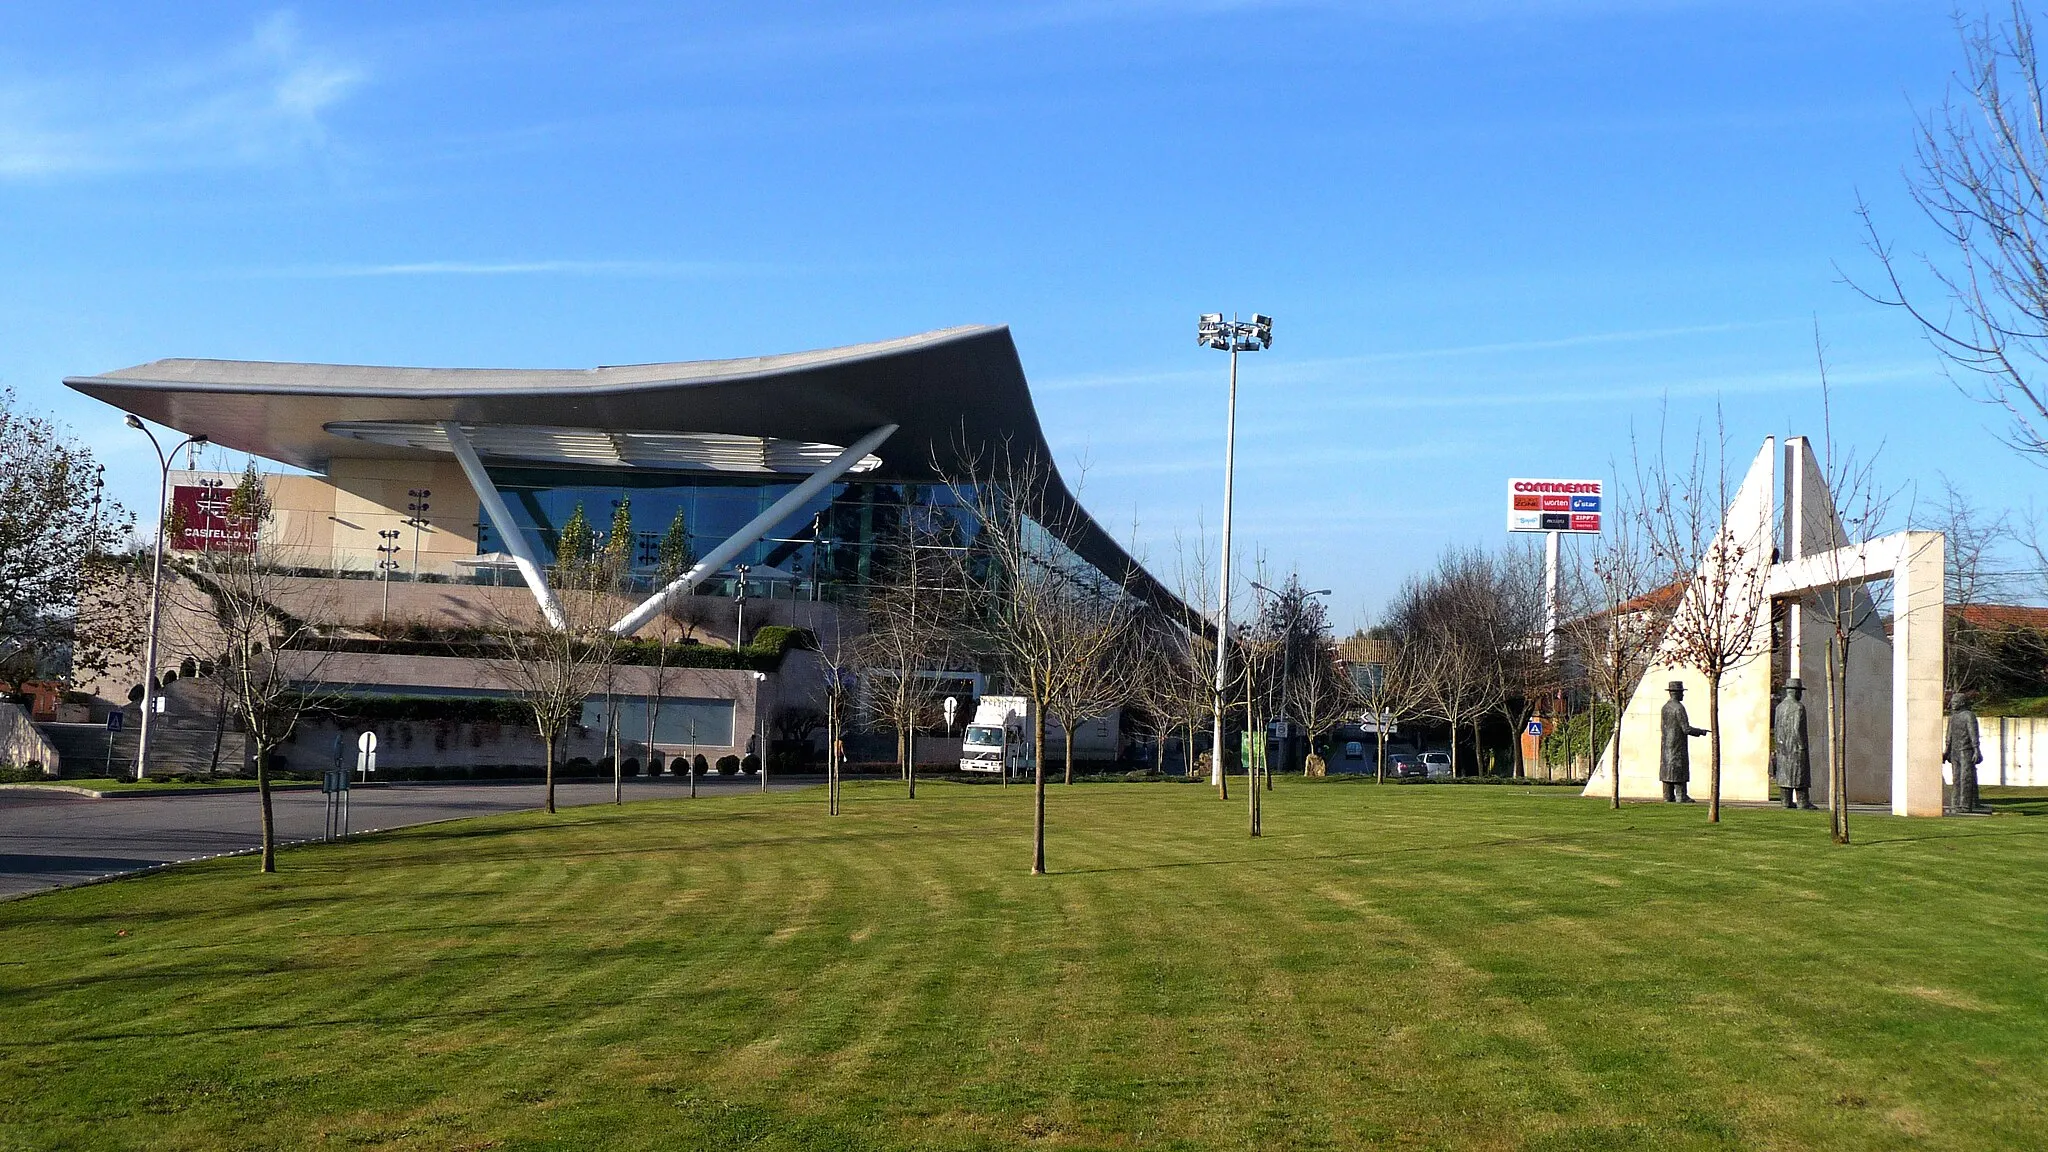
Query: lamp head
(199,438)
(133,421)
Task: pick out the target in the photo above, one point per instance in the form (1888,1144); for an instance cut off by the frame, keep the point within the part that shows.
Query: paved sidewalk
(49,840)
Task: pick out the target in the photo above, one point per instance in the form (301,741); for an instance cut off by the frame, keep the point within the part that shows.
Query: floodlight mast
(1232,336)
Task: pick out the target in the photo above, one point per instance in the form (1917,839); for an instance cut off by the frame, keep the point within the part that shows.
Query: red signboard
(199,513)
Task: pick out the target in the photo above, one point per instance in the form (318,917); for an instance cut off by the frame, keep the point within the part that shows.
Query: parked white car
(1436,765)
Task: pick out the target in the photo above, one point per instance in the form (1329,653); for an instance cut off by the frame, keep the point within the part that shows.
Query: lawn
(1412,967)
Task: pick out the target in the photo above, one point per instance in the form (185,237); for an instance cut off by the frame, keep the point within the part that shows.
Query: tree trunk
(1067,750)
(1713,749)
(618,764)
(1614,768)
(263,794)
(1038,786)
(1380,754)
(1251,786)
(1478,769)
(1838,736)
(1453,743)
(220,723)
(548,745)
(1221,772)
(910,776)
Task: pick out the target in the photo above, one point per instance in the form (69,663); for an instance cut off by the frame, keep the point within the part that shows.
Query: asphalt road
(51,839)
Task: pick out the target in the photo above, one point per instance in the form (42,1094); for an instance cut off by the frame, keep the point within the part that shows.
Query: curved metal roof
(958,395)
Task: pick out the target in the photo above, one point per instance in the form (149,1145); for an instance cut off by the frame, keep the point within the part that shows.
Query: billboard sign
(1555,505)
(200,514)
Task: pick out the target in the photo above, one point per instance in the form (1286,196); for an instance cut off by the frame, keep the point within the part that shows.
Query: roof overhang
(958,396)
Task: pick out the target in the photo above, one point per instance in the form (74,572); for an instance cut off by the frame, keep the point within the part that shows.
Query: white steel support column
(502,522)
(756,528)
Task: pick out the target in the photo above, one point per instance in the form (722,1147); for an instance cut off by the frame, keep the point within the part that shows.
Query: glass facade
(681,720)
(831,541)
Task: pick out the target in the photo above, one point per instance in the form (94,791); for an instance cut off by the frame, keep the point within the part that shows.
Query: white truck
(998,738)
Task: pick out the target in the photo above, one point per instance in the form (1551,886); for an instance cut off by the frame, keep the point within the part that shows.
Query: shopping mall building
(438,496)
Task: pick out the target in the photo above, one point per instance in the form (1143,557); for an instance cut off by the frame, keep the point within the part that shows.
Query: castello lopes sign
(1554,505)
(199,517)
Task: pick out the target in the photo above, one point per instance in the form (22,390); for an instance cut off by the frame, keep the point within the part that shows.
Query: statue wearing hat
(1674,766)
(1962,753)
(1791,768)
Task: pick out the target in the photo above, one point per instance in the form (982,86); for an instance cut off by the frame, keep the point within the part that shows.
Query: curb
(75,790)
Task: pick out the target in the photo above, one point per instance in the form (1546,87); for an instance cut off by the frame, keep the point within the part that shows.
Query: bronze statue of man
(1962,752)
(1674,765)
(1791,768)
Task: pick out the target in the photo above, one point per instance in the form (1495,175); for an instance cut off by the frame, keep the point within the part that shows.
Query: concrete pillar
(1918,712)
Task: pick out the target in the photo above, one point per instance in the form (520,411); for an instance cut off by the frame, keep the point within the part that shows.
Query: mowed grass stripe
(1411,966)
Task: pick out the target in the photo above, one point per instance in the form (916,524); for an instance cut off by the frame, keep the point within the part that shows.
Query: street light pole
(156,585)
(418,519)
(387,563)
(1232,336)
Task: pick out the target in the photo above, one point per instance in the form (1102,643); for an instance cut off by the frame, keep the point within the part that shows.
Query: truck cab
(998,739)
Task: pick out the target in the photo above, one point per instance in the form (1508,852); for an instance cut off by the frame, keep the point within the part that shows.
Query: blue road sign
(114,720)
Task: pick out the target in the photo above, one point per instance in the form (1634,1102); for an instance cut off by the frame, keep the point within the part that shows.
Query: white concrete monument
(1893,702)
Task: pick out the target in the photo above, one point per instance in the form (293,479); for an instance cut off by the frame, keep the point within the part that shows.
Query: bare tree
(910,625)
(1155,682)
(553,671)
(1025,584)
(1095,623)
(1193,676)
(1324,697)
(1619,617)
(1982,182)
(1722,616)
(1383,669)
(1973,578)
(1440,621)
(1508,614)
(1845,608)
(271,644)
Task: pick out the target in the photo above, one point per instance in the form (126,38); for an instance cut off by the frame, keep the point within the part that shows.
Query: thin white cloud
(652,268)
(1294,370)
(262,100)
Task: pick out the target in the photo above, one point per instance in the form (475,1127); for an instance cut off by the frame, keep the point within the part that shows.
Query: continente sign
(1554,505)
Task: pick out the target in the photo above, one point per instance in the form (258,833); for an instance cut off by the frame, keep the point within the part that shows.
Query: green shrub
(24,774)
(728,765)
(777,639)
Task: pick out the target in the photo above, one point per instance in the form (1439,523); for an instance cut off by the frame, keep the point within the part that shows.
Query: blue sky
(1495,235)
